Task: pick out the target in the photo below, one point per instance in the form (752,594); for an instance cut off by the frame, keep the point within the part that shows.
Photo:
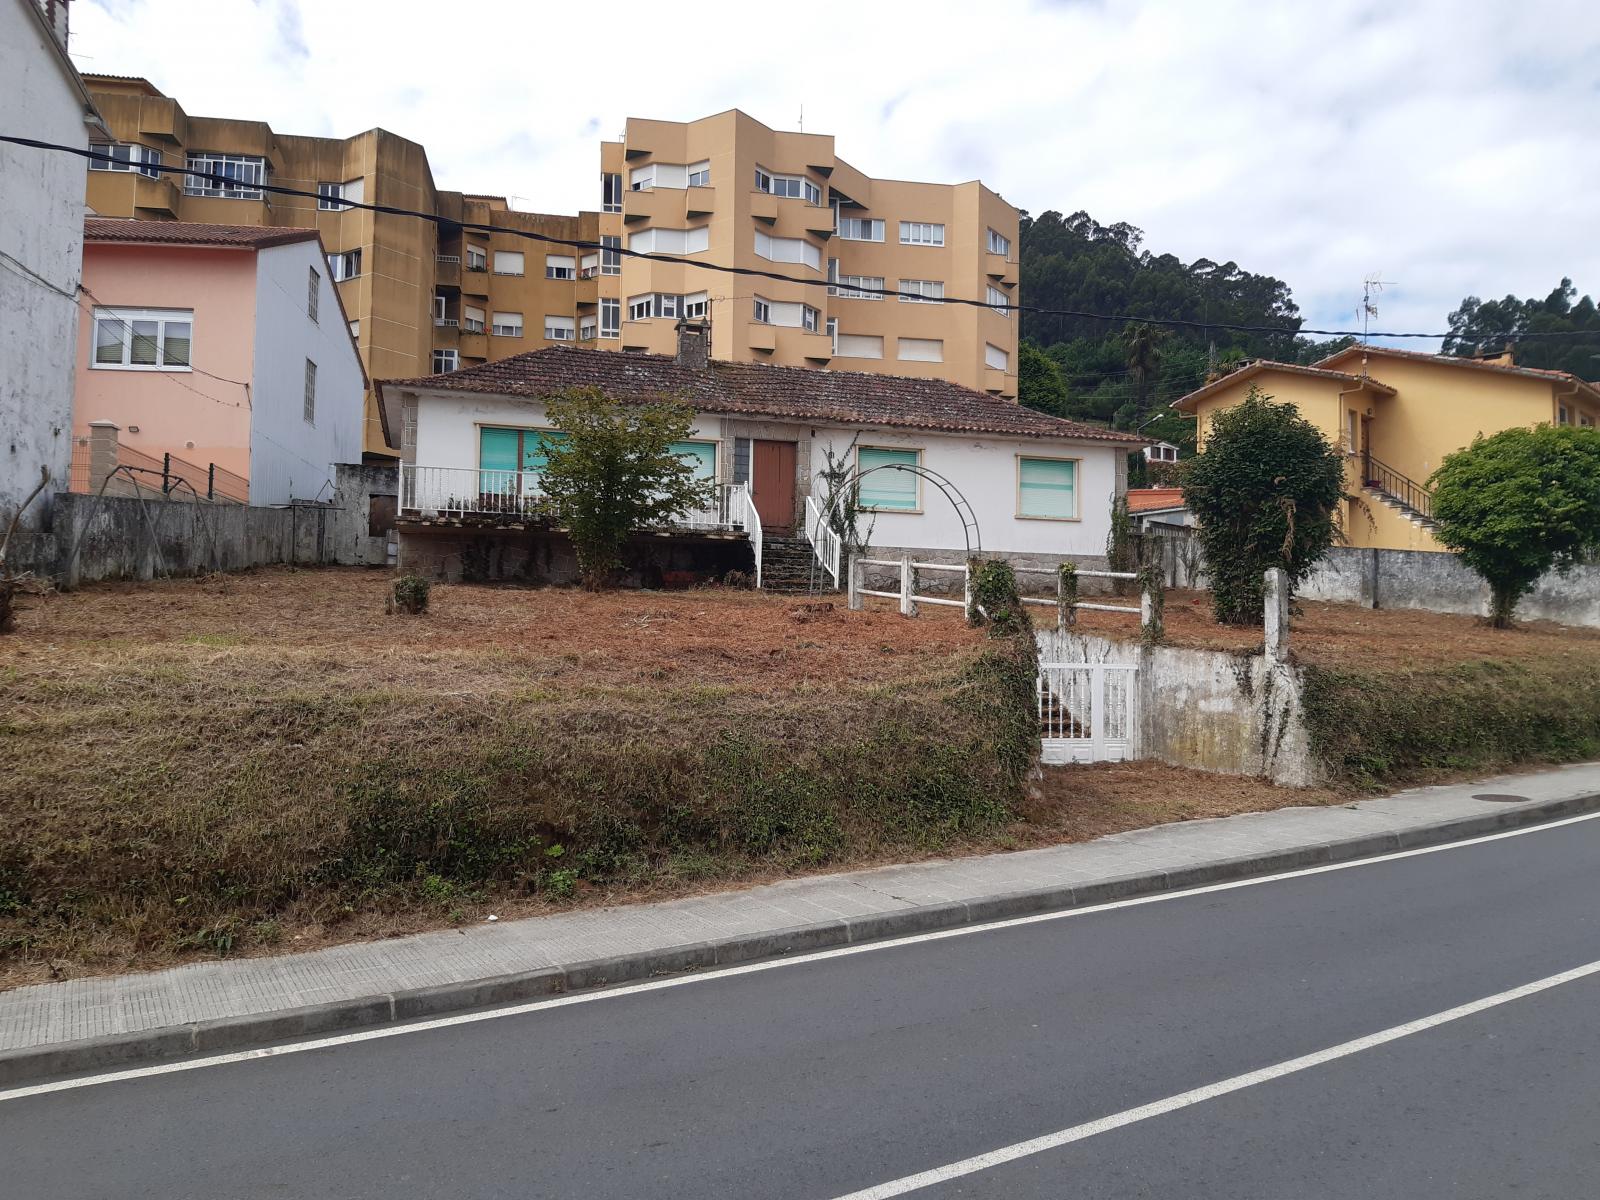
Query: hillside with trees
(1480,326)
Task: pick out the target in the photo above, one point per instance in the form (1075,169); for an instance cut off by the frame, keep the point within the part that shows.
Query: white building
(986,473)
(41,250)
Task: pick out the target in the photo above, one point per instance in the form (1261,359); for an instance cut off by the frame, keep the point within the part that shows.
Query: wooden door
(772,483)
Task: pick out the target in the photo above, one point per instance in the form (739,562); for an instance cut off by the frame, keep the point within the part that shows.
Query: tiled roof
(799,393)
(1450,360)
(1250,370)
(1154,499)
(192,233)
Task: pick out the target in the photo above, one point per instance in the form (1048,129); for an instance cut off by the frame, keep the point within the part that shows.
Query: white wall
(985,472)
(291,459)
(41,226)
(447,428)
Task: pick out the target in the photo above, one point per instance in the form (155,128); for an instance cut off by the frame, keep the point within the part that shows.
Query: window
(345,266)
(857,345)
(242,176)
(611,193)
(809,317)
(586,329)
(355,330)
(588,266)
(796,187)
(666,304)
(1563,417)
(330,197)
(560,329)
(610,318)
(694,306)
(514,450)
(610,255)
(642,179)
(921,291)
(507,325)
(126,158)
(999,245)
(995,357)
(789,250)
(671,241)
(763,311)
(508,262)
(560,266)
(833,333)
(142,339)
(860,229)
(445,360)
(471,319)
(702,456)
(999,301)
(477,258)
(700,174)
(921,350)
(1586,421)
(642,308)
(1047,488)
(849,287)
(889,490)
(920,233)
(439,302)
(311,393)
(313,293)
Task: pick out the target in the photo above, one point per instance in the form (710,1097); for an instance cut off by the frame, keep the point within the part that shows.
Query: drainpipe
(1572,411)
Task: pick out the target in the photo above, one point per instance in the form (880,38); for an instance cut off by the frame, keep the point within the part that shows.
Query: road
(837,1074)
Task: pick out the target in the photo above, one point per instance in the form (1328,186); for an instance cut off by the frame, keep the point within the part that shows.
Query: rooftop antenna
(1370,287)
(802,116)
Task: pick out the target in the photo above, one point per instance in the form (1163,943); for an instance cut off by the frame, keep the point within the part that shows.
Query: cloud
(1439,143)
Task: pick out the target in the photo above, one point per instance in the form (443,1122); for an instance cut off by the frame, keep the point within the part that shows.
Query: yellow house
(1396,414)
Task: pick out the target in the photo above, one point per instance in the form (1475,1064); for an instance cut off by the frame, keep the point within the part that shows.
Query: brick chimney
(55,12)
(694,344)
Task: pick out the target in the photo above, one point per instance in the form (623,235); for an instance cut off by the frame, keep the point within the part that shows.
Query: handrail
(824,539)
(752,525)
(1386,479)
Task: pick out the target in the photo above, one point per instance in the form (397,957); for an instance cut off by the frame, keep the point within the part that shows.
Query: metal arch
(969,520)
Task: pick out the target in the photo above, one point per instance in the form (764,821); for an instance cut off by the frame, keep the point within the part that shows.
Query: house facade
(942,470)
(41,238)
(1396,414)
(224,347)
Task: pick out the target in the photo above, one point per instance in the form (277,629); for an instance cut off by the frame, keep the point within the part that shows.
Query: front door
(772,483)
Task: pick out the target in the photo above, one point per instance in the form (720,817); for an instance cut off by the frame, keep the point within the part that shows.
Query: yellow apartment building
(426,297)
(1396,414)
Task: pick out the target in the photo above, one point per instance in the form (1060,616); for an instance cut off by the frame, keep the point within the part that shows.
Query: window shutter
(1048,487)
(887,489)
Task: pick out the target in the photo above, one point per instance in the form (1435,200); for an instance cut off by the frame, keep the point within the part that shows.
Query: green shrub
(411,594)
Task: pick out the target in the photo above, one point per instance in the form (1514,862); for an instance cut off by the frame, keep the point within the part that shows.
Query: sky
(1446,147)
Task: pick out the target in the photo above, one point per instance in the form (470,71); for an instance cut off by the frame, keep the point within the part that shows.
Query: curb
(35,1063)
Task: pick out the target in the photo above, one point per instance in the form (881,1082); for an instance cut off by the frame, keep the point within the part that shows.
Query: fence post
(1277,614)
(852,572)
(908,606)
(211,482)
(102,452)
(166,474)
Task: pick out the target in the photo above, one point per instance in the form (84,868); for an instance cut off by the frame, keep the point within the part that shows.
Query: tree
(1488,326)
(1142,345)
(1039,382)
(1518,504)
(614,471)
(1266,491)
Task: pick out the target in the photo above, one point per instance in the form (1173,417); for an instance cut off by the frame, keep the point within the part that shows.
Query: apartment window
(330,197)
(142,339)
(920,350)
(313,292)
(611,193)
(833,333)
(560,329)
(310,412)
(763,311)
(1047,488)
(671,241)
(610,255)
(586,329)
(999,245)
(995,357)
(809,318)
(858,287)
(560,266)
(355,331)
(999,301)
(588,266)
(439,302)
(920,233)
(507,325)
(889,490)
(700,174)
(858,345)
(345,266)
(694,306)
(795,187)
(610,318)
(788,250)
(921,291)
(860,229)
(702,456)
(445,360)
(642,179)
(642,308)
(126,157)
(477,258)
(243,175)
(471,319)
(508,262)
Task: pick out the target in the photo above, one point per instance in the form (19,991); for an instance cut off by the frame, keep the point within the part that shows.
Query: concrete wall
(1236,714)
(1438,582)
(456,554)
(41,227)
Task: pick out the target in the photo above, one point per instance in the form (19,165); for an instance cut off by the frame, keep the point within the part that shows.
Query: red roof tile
(800,393)
(1152,499)
(192,233)
(1251,369)
(1451,360)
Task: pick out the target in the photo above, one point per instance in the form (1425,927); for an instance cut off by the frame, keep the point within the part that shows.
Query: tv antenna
(802,116)
(1371,286)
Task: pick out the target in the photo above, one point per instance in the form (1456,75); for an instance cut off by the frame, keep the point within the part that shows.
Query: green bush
(411,594)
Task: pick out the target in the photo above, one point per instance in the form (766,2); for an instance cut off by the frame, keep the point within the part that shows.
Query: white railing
(726,511)
(1088,712)
(823,537)
(750,522)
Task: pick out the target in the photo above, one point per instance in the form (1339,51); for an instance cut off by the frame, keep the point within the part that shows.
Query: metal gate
(1088,712)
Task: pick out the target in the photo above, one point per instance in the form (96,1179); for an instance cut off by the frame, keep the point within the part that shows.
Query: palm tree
(1142,342)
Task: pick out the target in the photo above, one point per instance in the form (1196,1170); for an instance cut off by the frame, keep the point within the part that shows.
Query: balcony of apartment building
(789,345)
(447,309)
(671,206)
(474,270)
(447,270)
(1001,268)
(152,197)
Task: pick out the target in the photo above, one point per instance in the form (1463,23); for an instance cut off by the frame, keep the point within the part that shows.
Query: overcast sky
(1452,146)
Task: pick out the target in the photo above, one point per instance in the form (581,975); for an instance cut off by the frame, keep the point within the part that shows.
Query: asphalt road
(819,1079)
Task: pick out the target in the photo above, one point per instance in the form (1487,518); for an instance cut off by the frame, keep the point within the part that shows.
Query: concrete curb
(35,1063)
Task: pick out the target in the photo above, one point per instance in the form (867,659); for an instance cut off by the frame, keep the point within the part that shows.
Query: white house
(986,474)
(41,250)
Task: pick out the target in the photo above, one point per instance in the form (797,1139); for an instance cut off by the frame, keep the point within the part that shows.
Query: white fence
(1088,712)
(823,538)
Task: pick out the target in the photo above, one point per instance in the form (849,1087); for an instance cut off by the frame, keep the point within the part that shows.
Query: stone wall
(483,554)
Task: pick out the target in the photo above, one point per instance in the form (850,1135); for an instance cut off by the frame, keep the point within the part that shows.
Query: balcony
(447,269)
(764,206)
(999,383)
(474,343)
(997,266)
(587,290)
(659,206)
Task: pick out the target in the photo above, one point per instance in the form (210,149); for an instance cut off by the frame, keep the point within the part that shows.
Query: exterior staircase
(787,566)
(1395,491)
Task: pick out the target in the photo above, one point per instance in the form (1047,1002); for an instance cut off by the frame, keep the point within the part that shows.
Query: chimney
(694,344)
(55,13)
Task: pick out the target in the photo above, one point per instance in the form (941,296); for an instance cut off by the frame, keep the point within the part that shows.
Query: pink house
(220,344)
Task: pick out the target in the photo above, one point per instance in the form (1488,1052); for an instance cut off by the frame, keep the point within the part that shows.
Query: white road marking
(1131,1116)
(656,985)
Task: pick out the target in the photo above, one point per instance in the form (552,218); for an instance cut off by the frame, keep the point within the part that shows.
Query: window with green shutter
(701,455)
(891,491)
(502,449)
(1047,488)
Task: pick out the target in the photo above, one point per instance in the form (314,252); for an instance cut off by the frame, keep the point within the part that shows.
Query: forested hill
(1126,373)
(1480,326)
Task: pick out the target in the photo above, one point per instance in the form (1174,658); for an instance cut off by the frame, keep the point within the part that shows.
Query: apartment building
(428,297)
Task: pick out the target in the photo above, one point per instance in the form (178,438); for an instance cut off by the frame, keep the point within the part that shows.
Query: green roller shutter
(892,490)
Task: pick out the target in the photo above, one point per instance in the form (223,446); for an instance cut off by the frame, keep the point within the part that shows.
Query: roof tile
(192,233)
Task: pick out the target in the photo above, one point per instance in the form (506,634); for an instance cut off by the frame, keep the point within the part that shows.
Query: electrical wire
(756,272)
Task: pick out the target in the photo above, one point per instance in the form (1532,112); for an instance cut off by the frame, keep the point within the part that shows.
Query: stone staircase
(1390,501)
(786,566)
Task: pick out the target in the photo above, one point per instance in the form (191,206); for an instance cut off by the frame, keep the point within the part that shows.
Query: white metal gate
(1088,712)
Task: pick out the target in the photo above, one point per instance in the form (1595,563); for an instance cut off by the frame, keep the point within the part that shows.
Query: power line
(757,273)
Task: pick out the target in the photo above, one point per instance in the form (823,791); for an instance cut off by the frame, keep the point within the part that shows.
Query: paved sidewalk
(78,1025)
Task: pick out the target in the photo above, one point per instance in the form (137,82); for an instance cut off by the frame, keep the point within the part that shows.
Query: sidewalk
(58,1028)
